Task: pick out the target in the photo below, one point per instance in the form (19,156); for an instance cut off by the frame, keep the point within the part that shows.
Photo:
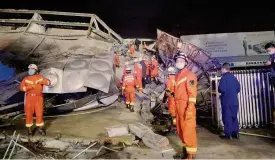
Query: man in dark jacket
(229,88)
(270,49)
(137,43)
(143,72)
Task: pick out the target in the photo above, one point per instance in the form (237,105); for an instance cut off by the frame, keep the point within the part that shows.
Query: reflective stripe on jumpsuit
(185,98)
(33,102)
(129,83)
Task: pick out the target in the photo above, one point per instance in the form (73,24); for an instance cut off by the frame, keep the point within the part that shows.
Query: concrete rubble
(56,144)
(139,129)
(116,131)
(149,138)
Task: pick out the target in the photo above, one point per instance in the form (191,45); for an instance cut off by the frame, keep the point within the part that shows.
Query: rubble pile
(62,147)
(18,147)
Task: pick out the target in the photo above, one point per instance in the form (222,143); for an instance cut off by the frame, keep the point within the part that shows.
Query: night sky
(140,18)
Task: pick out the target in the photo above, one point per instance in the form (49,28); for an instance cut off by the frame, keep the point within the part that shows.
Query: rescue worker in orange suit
(126,65)
(128,87)
(117,59)
(138,73)
(148,64)
(185,99)
(154,68)
(170,89)
(32,85)
(132,50)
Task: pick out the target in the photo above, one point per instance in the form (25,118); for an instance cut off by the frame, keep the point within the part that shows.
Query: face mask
(180,65)
(31,72)
(270,53)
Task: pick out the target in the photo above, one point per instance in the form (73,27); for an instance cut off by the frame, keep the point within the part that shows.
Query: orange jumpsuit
(117,60)
(128,85)
(132,50)
(33,86)
(154,68)
(147,63)
(185,99)
(170,88)
(138,74)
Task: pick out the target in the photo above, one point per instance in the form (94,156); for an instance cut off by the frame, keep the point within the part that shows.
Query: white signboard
(232,44)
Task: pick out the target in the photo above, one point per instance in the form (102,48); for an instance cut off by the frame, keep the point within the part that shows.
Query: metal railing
(94,20)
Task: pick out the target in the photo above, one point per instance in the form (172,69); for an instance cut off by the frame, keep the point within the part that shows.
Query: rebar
(14,145)
(9,145)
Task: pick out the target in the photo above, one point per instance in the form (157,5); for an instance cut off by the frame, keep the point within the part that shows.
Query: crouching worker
(32,85)
(128,87)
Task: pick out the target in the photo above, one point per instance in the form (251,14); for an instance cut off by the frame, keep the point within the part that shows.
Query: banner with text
(232,44)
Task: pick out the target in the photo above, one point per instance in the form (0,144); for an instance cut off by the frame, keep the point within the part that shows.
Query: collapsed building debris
(62,54)
(200,63)
(149,138)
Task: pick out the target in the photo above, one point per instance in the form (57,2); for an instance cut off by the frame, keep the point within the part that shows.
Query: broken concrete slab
(115,131)
(127,140)
(147,116)
(155,141)
(139,129)
(56,144)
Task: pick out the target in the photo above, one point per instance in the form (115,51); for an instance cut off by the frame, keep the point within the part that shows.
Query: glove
(174,121)
(172,94)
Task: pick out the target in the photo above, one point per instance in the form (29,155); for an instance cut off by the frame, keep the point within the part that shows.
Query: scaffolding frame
(94,20)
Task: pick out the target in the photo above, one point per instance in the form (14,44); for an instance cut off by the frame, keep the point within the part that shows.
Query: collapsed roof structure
(64,50)
(68,53)
(200,61)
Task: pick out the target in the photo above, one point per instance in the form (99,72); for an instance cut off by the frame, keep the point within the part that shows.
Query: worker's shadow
(207,124)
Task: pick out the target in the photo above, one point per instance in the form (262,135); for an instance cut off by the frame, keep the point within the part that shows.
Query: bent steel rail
(94,20)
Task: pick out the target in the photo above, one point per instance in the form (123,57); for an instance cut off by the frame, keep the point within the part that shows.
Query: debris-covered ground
(84,135)
(90,128)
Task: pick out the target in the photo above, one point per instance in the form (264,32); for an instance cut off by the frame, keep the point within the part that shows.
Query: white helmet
(183,56)
(126,63)
(136,60)
(33,66)
(171,70)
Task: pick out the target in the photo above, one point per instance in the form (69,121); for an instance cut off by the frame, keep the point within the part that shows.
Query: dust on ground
(92,126)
